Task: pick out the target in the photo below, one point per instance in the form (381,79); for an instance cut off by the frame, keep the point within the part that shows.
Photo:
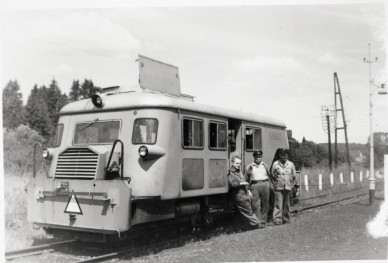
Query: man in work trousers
(258,178)
(238,187)
(284,175)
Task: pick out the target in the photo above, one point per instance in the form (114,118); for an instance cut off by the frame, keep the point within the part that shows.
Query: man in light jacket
(284,175)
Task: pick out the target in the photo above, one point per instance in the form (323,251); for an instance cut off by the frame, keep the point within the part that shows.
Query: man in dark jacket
(238,187)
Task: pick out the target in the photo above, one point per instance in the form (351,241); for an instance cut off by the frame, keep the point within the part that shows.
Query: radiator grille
(77,163)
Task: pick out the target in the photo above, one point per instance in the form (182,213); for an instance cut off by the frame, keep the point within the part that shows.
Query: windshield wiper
(89,124)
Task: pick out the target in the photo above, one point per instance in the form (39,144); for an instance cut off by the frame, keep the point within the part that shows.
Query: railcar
(125,159)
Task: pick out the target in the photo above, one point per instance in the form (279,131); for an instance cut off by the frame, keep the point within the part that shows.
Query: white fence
(341,180)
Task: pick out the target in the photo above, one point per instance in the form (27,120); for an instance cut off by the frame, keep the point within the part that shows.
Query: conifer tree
(43,91)
(13,110)
(87,89)
(37,112)
(55,101)
(75,92)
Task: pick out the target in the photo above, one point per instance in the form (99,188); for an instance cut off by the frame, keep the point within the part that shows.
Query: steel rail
(29,254)
(34,250)
(327,203)
(126,251)
(101,257)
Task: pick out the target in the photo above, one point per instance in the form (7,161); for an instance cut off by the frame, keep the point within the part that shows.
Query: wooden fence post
(331,179)
(351,177)
(306,182)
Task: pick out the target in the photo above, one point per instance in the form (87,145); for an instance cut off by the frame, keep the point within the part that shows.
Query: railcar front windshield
(101,132)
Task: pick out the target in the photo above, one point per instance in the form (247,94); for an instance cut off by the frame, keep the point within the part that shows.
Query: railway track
(308,207)
(157,240)
(35,250)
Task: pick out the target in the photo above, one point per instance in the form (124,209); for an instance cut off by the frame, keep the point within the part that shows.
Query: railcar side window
(217,136)
(58,135)
(96,132)
(145,131)
(253,139)
(192,133)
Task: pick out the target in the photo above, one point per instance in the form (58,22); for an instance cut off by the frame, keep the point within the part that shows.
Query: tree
(43,91)
(87,89)
(13,110)
(55,101)
(18,149)
(75,92)
(305,156)
(37,112)
(380,147)
(293,146)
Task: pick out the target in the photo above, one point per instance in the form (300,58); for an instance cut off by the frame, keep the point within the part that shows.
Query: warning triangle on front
(73,206)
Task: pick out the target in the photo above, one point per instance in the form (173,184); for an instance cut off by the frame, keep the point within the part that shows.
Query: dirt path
(335,232)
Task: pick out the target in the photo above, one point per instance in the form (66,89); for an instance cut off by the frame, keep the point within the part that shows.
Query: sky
(276,60)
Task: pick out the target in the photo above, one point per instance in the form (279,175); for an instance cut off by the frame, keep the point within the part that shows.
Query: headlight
(143,151)
(46,153)
(97,101)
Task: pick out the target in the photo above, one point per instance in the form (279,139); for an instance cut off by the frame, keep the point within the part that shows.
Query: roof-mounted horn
(107,90)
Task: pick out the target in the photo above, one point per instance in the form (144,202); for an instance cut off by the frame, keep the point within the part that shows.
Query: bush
(19,148)
(18,151)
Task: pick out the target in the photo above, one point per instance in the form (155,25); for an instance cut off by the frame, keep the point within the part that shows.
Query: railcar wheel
(208,220)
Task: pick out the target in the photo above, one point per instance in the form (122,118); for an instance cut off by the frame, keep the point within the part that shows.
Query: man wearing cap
(258,176)
(284,174)
(238,186)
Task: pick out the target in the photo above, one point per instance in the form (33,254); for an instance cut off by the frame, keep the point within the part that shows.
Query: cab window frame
(57,143)
(99,121)
(133,131)
(193,135)
(253,143)
(218,123)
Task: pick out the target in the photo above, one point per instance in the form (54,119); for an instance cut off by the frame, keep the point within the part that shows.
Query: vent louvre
(77,163)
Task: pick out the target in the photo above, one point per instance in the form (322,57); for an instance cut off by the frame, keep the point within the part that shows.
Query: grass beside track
(18,231)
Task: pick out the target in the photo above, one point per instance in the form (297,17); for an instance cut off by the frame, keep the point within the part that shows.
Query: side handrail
(121,162)
(34,160)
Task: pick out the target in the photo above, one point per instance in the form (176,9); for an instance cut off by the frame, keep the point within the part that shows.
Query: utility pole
(372,168)
(337,92)
(328,132)
(328,120)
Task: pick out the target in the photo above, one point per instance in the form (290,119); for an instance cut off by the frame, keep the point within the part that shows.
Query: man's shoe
(277,223)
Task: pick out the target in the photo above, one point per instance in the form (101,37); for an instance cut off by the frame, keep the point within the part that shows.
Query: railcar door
(235,144)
